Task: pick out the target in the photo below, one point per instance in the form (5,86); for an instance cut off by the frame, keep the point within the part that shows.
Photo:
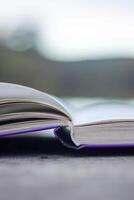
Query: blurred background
(79,48)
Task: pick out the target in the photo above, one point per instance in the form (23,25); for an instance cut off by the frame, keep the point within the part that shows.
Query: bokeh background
(79,48)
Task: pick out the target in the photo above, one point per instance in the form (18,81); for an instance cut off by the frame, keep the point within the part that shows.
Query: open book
(24,110)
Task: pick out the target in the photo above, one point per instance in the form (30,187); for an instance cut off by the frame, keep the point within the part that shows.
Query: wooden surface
(38,168)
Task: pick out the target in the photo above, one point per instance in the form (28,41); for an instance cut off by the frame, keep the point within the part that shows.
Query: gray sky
(75,29)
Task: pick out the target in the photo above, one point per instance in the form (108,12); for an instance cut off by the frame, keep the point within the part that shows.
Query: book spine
(64,134)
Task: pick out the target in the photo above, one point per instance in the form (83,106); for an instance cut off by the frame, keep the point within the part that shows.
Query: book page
(104,111)
(13,92)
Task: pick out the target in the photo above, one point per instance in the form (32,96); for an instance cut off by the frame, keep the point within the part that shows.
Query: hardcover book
(24,110)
